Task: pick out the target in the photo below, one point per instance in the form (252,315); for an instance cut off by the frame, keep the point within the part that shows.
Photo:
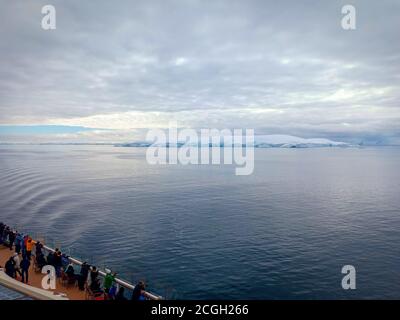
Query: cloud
(180,61)
(284,67)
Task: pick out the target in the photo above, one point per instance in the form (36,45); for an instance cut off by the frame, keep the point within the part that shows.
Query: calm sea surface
(196,232)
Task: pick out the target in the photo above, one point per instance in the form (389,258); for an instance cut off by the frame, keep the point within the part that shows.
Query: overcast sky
(283,67)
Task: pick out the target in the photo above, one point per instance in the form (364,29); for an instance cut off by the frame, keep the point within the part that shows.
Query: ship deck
(35,278)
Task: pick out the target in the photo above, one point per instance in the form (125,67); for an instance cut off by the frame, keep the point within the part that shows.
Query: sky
(111,70)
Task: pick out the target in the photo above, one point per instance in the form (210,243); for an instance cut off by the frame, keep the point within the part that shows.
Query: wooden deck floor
(35,279)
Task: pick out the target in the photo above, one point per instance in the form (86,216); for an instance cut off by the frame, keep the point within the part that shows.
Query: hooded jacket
(16,261)
(29,245)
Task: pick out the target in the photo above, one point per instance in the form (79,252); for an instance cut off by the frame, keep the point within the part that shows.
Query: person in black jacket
(83,275)
(38,248)
(40,261)
(120,295)
(2,227)
(10,267)
(70,272)
(11,239)
(50,259)
(94,274)
(138,291)
(57,262)
(24,265)
(6,231)
(95,286)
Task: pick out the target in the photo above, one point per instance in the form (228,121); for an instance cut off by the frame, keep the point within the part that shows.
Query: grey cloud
(113,57)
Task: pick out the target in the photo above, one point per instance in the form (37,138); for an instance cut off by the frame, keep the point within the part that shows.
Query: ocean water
(201,232)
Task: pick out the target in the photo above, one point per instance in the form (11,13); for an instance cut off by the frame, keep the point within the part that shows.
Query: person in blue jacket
(18,243)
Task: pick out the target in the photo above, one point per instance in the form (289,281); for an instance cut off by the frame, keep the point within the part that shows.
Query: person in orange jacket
(29,246)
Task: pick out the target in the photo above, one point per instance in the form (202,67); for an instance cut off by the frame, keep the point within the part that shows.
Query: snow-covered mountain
(286,141)
(262,141)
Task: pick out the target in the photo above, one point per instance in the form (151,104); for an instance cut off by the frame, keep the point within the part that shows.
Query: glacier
(260,141)
(287,141)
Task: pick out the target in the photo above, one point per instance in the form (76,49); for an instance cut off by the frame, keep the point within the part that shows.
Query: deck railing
(121,282)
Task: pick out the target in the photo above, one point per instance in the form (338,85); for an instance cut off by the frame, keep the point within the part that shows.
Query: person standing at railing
(70,272)
(108,280)
(40,261)
(64,261)
(29,246)
(2,227)
(120,295)
(83,275)
(25,264)
(95,286)
(57,262)
(11,239)
(24,241)
(4,234)
(50,258)
(138,291)
(94,273)
(38,248)
(18,242)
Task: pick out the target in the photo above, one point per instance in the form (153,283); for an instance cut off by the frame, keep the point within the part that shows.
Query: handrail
(121,282)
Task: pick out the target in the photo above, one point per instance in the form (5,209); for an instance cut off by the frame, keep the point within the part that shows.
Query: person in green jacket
(109,280)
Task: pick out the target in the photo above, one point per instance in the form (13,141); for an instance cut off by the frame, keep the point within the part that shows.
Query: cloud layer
(278,67)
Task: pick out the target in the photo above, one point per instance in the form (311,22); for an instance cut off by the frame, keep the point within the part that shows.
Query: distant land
(260,141)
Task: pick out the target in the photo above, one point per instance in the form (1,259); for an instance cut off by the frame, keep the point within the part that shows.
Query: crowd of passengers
(25,250)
